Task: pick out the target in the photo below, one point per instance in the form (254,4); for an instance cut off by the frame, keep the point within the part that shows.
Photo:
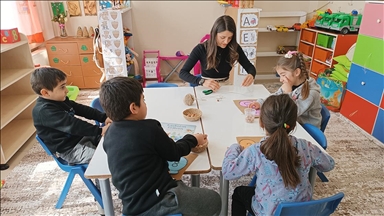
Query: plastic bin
(308,36)
(324,40)
(305,48)
(323,55)
(73,91)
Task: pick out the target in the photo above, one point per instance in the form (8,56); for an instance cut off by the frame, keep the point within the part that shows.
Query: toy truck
(346,23)
(326,20)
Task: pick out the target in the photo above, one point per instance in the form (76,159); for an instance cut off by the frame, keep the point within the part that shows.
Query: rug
(33,187)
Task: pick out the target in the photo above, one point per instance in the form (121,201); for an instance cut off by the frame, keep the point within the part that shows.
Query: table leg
(224,191)
(195,180)
(173,69)
(106,195)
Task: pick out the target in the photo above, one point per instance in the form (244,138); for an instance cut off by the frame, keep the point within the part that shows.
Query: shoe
(85,32)
(79,32)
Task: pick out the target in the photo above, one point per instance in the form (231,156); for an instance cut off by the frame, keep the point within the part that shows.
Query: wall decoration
(250,51)
(57,8)
(74,8)
(248,36)
(89,8)
(249,20)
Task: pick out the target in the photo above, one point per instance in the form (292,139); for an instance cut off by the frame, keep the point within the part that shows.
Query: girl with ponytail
(299,86)
(280,161)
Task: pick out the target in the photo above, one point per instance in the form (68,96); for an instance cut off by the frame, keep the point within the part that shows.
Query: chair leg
(65,190)
(92,187)
(322,177)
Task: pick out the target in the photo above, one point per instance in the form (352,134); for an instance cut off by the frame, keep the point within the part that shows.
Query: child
(281,162)
(54,118)
(299,86)
(138,150)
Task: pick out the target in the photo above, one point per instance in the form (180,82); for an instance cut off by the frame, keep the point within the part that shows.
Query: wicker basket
(200,148)
(192,114)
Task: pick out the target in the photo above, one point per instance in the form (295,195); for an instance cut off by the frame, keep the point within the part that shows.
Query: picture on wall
(57,8)
(90,8)
(74,8)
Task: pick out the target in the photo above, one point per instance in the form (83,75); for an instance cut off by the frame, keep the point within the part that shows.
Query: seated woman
(217,56)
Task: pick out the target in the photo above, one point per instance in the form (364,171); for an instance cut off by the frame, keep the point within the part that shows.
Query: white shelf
(324,48)
(13,105)
(10,76)
(266,30)
(268,54)
(324,63)
(283,14)
(6,47)
(306,42)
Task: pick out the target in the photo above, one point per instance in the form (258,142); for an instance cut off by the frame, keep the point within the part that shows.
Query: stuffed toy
(131,55)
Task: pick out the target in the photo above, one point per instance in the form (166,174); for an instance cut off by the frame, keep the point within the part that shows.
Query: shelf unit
(267,40)
(17,97)
(320,47)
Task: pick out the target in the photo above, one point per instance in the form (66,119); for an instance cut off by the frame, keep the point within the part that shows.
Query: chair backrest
(96,104)
(321,207)
(58,160)
(317,134)
(325,117)
(161,85)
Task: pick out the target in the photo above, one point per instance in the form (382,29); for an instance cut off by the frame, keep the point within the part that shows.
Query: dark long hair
(290,64)
(278,116)
(223,23)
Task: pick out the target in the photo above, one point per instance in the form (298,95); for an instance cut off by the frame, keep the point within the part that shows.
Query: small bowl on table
(200,148)
(192,114)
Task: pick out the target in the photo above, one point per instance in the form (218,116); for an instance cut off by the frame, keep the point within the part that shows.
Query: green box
(324,40)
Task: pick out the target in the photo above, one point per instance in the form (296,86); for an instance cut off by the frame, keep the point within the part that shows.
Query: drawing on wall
(248,36)
(89,8)
(57,8)
(250,52)
(249,20)
(74,8)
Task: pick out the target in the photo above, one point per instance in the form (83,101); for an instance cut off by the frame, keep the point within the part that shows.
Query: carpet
(33,187)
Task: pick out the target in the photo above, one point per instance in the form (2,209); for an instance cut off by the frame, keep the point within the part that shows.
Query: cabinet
(364,98)
(74,56)
(320,47)
(17,97)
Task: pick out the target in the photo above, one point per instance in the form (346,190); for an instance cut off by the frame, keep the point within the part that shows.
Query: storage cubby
(17,97)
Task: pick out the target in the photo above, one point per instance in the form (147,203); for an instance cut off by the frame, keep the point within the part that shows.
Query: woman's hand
(211,84)
(248,80)
(254,105)
(201,138)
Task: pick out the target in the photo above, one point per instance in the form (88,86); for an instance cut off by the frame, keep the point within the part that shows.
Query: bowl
(192,114)
(200,148)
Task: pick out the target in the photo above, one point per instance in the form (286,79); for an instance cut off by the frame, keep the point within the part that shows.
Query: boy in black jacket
(54,118)
(138,150)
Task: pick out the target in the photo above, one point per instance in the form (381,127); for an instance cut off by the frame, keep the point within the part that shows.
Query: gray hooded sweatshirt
(309,109)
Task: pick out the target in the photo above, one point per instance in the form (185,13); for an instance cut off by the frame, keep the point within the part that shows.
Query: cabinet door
(359,111)
(378,130)
(373,20)
(63,60)
(366,83)
(62,48)
(85,46)
(369,53)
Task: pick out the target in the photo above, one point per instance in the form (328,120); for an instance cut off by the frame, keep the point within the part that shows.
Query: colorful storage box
(324,40)
(10,36)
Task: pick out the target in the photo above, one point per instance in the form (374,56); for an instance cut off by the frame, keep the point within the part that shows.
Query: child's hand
(104,129)
(254,105)
(201,138)
(108,121)
(287,87)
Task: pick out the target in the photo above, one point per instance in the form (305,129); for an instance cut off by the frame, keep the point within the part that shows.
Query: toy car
(271,28)
(297,26)
(281,28)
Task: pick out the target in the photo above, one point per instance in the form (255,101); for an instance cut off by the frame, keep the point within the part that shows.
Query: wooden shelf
(306,42)
(10,76)
(268,31)
(22,130)
(324,48)
(6,47)
(13,105)
(267,54)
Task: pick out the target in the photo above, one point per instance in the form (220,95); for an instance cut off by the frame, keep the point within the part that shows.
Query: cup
(249,115)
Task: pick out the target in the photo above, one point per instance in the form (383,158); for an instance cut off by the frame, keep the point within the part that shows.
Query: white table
(165,105)
(223,122)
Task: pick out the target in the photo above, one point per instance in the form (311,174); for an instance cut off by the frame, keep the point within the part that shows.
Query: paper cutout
(242,104)
(175,166)
(190,158)
(248,141)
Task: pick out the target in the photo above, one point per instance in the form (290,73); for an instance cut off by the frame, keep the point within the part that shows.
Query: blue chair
(321,207)
(72,170)
(194,85)
(320,138)
(96,104)
(161,85)
(325,117)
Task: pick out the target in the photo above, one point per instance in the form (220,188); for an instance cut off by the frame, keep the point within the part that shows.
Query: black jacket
(138,152)
(56,124)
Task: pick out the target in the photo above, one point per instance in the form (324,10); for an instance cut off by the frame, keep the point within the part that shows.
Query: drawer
(86,59)
(369,53)
(323,55)
(366,83)
(317,67)
(359,111)
(71,70)
(306,49)
(308,36)
(85,46)
(373,20)
(91,70)
(379,126)
(62,48)
(92,82)
(63,60)
(75,81)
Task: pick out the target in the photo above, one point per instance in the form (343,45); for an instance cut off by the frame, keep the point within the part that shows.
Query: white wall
(344,6)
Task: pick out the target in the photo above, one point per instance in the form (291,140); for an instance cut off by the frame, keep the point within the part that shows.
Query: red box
(10,36)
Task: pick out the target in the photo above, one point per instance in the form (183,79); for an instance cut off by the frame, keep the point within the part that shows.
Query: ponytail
(304,72)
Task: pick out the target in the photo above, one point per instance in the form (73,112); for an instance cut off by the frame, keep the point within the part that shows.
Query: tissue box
(10,36)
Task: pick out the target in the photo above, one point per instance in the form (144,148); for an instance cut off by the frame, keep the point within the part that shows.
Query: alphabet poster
(248,36)
(250,51)
(249,20)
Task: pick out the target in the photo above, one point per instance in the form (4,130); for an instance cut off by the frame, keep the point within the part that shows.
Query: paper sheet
(248,141)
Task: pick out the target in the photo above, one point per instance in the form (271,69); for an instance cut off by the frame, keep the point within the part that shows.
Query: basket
(200,148)
(192,114)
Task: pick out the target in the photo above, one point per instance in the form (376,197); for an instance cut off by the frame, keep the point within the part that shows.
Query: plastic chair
(96,104)
(322,207)
(325,117)
(320,138)
(73,91)
(161,85)
(72,170)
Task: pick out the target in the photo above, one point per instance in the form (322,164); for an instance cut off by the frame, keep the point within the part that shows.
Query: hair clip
(290,54)
(286,126)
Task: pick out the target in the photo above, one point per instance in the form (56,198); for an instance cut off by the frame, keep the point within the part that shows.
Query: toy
(10,36)
(2,183)
(131,55)
(341,22)
(285,49)
(310,23)
(281,28)
(296,26)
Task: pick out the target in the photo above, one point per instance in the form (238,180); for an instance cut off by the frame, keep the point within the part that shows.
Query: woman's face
(223,38)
